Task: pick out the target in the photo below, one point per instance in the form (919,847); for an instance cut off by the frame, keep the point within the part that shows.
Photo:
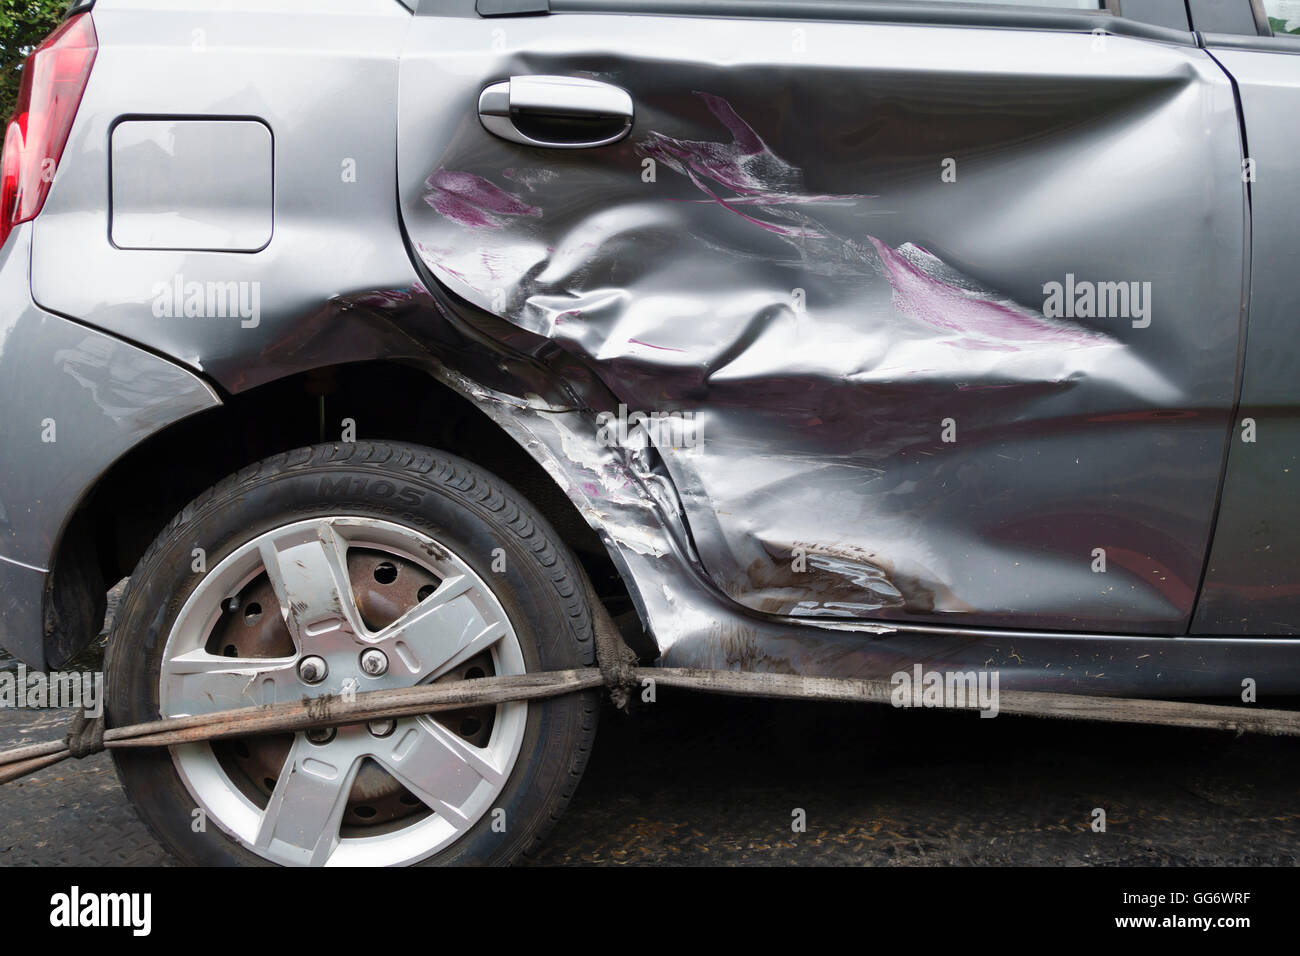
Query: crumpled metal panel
(695,626)
(775,256)
(775,171)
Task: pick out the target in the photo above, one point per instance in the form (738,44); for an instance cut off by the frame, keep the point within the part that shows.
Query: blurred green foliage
(23,25)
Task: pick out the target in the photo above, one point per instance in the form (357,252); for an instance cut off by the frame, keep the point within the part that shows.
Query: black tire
(542,591)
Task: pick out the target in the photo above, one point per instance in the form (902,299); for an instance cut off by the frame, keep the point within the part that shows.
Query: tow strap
(619,672)
(89,736)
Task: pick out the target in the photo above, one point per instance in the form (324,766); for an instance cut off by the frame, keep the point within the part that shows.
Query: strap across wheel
(332,710)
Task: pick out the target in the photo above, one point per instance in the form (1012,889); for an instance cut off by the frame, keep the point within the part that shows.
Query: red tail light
(54,78)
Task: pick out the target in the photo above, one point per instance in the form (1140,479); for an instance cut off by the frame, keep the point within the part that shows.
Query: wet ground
(710,780)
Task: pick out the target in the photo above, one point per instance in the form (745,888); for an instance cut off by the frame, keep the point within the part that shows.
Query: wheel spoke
(309,572)
(301,822)
(199,682)
(442,631)
(442,770)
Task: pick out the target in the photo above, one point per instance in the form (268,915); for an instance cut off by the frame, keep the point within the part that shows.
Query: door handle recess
(556,112)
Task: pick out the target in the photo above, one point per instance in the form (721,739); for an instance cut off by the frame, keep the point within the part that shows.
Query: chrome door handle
(556,112)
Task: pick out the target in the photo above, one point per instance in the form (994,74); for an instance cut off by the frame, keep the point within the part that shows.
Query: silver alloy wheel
(302,820)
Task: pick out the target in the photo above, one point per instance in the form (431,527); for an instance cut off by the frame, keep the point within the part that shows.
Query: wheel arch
(135,497)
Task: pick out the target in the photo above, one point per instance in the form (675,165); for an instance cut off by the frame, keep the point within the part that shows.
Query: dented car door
(943,318)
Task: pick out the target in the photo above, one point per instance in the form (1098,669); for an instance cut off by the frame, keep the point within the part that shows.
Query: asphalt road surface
(710,780)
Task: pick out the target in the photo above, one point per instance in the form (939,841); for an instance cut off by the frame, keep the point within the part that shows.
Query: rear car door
(950,294)
(1252,579)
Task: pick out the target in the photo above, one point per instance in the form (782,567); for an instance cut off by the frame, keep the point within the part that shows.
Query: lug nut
(320,735)
(313,670)
(374,662)
(381,728)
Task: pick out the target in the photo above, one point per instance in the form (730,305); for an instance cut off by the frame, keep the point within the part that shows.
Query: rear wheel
(362,566)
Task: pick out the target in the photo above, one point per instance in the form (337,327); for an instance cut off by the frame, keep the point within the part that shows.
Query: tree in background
(23,25)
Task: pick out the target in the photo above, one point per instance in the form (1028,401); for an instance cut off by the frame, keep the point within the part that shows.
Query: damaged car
(382,343)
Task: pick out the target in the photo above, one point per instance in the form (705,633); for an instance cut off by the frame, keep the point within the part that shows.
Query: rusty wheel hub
(386,586)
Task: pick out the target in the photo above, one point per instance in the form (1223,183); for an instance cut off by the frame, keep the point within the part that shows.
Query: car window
(1066,4)
(1059,4)
(1283,15)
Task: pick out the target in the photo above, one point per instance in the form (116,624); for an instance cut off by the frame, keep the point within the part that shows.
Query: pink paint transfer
(471,200)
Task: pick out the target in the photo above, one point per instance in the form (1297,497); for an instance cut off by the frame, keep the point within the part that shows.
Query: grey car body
(782,357)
